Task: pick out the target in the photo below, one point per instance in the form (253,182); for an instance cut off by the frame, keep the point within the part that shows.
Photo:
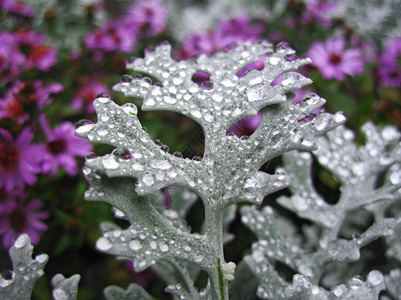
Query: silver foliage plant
(130,178)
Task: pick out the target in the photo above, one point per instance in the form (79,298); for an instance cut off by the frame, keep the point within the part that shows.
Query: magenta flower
(12,109)
(39,55)
(246,126)
(62,147)
(390,64)
(12,60)
(33,92)
(369,50)
(19,160)
(227,33)
(114,36)
(17,7)
(19,215)
(149,17)
(318,11)
(83,100)
(333,61)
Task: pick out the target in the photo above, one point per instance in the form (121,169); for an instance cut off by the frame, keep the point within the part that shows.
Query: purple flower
(83,100)
(62,147)
(19,160)
(333,61)
(319,11)
(390,64)
(246,126)
(17,7)
(19,215)
(114,36)
(148,17)
(227,33)
(12,60)
(368,49)
(33,92)
(39,55)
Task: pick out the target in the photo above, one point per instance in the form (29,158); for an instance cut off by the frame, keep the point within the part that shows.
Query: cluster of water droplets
(145,245)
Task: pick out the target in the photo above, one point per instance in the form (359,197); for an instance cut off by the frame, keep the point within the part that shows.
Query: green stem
(214,230)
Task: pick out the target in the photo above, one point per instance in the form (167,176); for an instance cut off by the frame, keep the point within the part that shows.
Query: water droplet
(103,244)
(103,97)
(207,85)
(340,290)
(197,158)
(164,148)
(356,282)
(148,180)
(339,117)
(122,153)
(390,133)
(291,57)
(170,100)
(197,114)
(217,97)
(126,78)
(161,164)
(244,138)
(130,109)
(153,245)
(110,163)
(102,132)
(145,129)
(282,46)
(163,247)
(158,142)
(178,154)
(135,245)
(86,170)
(7,275)
(83,126)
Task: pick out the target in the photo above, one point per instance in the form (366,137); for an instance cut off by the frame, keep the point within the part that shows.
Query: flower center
(335,59)
(27,94)
(57,146)
(9,157)
(14,108)
(17,220)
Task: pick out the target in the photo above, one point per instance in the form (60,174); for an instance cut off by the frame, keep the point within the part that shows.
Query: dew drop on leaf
(83,126)
(103,244)
(122,153)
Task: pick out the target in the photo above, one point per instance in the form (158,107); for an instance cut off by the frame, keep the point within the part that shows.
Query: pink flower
(227,33)
(83,100)
(39,55)
(62,147)
(333,61)
(148,16)
(12,60)
(246,126)
(17,7)
(12,109)
(19,160)
(30,92)
(319,11)
(114,36)
(390,64)
(368,49)
(19,215)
